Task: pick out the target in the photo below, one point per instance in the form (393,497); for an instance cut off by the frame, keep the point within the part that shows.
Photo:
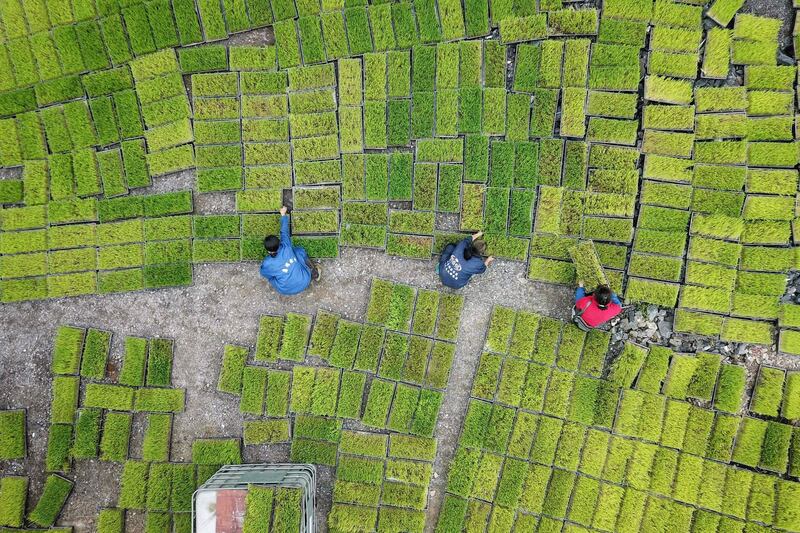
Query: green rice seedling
(158,486)
(640,465)
(156,444)
(705,299)
(64,399)
(703,381)
(67,348)
(270,331)
(739,330)
(608,506)
(234,359)
(785,515)
(160,400)
(749,442)
(688,477)
(216,451)
(663,473)
(116,434)
(326,385)
(556,401)
(587,265)
(535,383)
(790,406)
(348,516)
(54,495)
(587,491)
(402,411)
(318,428)
(266,431)
(544,448)
(133,364)
(351,394)
(710,275)
(667,90)
(607,398)
(295,334)
(13,434)
(768,391)
(712,489)
(723,11)
(681,373)
(254,382)
(558,492)
(625,368)
(775,451)
(441,360)
(159,362)
(533,494)
(59,440)
(322,335)
(737,490)
(378,402)
(12,509)
(133,485)
(487,476)
(522,437)
(394,355)
(419,349)
(501,420)
(95,354)
(112,397)
(475,423)
(570,445)
(584,398)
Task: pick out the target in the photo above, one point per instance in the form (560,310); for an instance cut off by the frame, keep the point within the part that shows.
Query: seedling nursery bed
(142,141)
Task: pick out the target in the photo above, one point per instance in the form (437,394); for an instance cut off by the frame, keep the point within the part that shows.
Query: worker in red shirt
(595,308)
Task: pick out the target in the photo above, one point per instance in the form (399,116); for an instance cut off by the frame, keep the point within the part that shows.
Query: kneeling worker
(461,261)
(287,267)
(595,308)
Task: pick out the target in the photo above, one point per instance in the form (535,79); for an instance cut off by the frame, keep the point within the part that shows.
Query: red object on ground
(592,315)
(231,507)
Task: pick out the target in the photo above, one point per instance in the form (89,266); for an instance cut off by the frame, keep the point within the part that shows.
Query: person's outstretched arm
(580,292)
(615,299)
(286,237)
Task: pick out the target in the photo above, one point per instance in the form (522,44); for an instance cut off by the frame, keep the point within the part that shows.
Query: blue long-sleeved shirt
(455,271)
(580,292)
(287,272)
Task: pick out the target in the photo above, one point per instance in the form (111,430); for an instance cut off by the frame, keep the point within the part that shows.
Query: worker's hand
(580,283)
(489,261)
(477,236)
(284,210)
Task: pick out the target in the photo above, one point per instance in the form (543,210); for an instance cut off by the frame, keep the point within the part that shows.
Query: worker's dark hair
(602,296)
(476,248)
(271,244)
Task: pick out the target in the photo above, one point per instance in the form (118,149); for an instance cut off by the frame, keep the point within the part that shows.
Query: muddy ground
(223,307)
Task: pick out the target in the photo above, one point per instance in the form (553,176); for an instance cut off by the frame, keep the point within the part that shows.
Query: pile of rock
(792,294)
(653,325)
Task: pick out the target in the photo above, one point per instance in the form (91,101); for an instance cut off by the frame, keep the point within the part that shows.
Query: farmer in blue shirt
(461,261)
(287,267)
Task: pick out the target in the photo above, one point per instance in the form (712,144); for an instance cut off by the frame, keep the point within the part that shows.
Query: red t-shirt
(592,315)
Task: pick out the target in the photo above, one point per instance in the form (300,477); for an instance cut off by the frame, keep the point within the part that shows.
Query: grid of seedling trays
(398,127)
(370,410)
(93,416)
(662,442)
